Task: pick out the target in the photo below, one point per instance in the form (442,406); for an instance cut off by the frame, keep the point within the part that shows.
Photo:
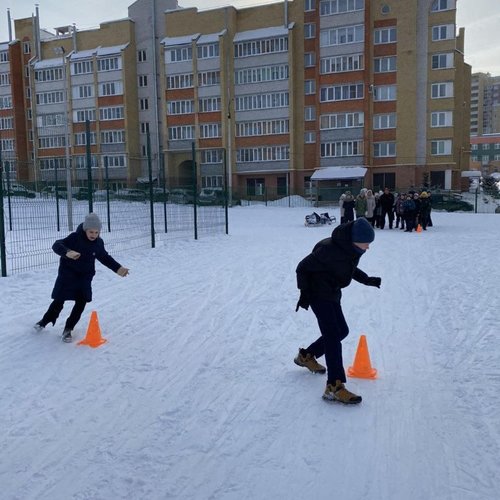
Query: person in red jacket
(331,266)
(78,253)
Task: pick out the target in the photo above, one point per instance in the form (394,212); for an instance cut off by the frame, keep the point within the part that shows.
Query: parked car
(102,195)
(181,196)
(19,190)
(211,196)
(81,193)
(131,195)
(159,194)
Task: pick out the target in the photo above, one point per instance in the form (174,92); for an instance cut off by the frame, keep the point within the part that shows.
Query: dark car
(131,195)
(19,190)
(211,196)
(181,196)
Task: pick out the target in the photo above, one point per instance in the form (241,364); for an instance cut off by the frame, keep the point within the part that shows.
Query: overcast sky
(481,19)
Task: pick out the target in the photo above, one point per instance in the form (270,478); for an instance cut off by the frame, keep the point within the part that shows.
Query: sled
(316,220)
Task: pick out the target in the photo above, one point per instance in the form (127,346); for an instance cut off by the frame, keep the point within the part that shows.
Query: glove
(303,301)
(374,281)
(71,254)
(123,271)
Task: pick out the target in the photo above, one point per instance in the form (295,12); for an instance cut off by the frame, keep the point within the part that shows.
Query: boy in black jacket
(78,253)
(320,277)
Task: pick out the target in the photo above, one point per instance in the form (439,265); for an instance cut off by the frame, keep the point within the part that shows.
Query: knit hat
(362,231)
(92,221)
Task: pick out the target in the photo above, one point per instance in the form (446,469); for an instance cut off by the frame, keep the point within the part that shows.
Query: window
(49,97)
(50,120)
(384,149)
(384,93)
(53,141)
(180,107)
(208,78)
(309,30)
(209,104)
(26,47)
(143,104)
(342,92)
(475,147)
(441,90)
(443,32)
(112,136)
(111,113)
(439,5)
(211,180)
(384,64)
(6,102)
(385,35)
(309,59)
(342,120)
(181,81)
(6,123)
(183,132)
(81,138)
(110,88)
(179,54)
(341,36)
(309,113)
(262,127)
(442,61)
(109,64)
(497,145)
(4,56)
(442,147)
(262,101)
(211,155)
(381,180)
(309,87)
(329,7)
(48,75)
(210,130)
(82,91)
(144,127)
(309,5)
(340,64)
(341,149)
(142,55)
(115,161)
(265,153)
(442,119)
(258,47)
(497,157)
(82,67)
(82,115)
(309,137)
(485,147)
(384,121)
(261,74)
(208,51)
(143,80)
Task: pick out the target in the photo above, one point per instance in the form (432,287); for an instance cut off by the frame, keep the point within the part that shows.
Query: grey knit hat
(92,221)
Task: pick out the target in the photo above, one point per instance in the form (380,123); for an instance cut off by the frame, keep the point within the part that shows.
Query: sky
(480,18)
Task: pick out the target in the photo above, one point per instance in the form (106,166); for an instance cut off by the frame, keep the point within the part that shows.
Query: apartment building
(275,97)
(485,104)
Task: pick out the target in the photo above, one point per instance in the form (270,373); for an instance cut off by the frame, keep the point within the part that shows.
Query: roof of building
(333,173)
(179,40)
(272,31)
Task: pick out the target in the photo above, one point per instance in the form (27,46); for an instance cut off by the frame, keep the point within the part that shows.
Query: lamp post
(69,202)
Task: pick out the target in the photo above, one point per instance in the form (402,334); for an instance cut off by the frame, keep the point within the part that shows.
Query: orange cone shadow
(419,228)
(93,337)
(362,367)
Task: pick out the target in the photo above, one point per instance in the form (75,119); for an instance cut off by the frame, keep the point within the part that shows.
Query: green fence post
(9,202)
(106,175)
(195,190)
(226,196)
(162,183)
(475,201)
(89,165)
(151,201)
(3,252)
(57,198)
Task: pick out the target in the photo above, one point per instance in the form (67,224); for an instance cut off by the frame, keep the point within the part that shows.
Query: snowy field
(196,396)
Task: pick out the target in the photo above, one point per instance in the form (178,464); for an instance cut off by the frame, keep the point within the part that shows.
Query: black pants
(333,329)
(57,306)
(390,215)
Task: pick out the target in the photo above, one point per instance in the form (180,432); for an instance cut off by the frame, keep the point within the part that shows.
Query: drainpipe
(9,20)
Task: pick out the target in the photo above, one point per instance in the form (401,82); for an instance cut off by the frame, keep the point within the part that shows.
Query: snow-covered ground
(196,396)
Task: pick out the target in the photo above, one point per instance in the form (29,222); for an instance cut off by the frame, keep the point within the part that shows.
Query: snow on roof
(270,32)
(211,38)
(83,54)
(179,40)
(114,49)
(48,63)
(333,173)
(4,46)
(471,173)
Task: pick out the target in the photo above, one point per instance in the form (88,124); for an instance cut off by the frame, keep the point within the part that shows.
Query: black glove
(303,301)
(374,281)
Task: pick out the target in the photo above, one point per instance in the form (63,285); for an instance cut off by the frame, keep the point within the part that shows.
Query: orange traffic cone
(362,367)
(93,337)
(419,228)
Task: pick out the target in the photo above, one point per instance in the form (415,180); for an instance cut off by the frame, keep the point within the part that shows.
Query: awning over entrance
(334,173)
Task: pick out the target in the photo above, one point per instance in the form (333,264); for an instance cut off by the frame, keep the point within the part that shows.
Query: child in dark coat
(78,253)
(331,266)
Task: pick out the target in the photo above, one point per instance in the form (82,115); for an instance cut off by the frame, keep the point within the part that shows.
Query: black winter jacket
(74,277)
(331,266)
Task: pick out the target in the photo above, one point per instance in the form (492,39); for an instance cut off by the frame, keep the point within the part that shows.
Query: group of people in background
(408,210)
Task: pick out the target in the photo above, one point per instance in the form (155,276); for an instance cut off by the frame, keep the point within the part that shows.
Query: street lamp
(61,51)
